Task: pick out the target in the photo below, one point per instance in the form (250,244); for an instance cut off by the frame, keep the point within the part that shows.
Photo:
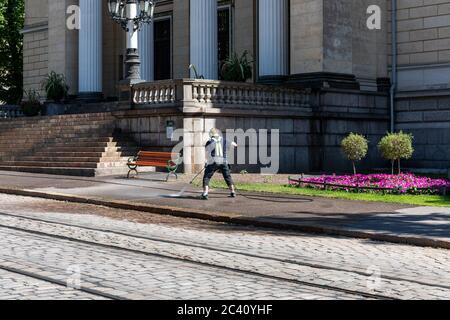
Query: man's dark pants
(211,169)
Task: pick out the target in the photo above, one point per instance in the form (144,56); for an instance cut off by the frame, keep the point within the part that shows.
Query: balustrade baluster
(208,94)
(195,93)
(201,97)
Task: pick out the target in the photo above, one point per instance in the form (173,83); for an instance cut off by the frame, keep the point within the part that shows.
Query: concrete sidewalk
(425,226)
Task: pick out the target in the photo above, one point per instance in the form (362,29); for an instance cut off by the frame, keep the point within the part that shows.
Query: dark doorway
(163,51)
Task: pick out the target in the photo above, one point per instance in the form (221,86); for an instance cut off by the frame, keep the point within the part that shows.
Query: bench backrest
(156,159)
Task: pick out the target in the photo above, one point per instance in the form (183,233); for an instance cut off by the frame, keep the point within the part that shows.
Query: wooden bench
(167,160)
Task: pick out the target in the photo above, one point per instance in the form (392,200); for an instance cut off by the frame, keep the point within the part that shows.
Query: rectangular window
(224,28)
(224,33)
(163,49)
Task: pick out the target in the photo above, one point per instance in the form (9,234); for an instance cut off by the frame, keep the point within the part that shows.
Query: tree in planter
(31,104)
(396,146)
(55,87)
(237,69)
(355,147)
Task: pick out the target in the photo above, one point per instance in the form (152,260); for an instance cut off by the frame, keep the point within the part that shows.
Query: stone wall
(423,44)
(428,119)
(148,127)
(35,58)
(423,98)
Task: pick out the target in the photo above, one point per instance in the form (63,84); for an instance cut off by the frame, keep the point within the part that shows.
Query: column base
(324,80)
(87,97)
(274,80)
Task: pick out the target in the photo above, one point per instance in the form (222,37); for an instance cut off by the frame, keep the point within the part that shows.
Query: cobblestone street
(57,250)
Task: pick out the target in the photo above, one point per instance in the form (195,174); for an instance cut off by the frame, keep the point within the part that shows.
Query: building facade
(325,47)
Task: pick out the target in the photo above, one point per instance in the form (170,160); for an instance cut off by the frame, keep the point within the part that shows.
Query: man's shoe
(204,197)
(233,195)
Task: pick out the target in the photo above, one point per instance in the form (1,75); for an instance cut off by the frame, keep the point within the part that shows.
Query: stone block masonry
(35,59)
(428,119)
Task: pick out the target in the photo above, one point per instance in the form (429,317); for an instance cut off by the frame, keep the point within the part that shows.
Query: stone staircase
(76,145)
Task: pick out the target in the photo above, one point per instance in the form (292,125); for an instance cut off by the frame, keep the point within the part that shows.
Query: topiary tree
(396,146)
(355,147)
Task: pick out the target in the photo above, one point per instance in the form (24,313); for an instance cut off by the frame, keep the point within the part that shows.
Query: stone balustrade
(210,92)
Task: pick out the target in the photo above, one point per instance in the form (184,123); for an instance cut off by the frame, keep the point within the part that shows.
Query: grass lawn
(419,200)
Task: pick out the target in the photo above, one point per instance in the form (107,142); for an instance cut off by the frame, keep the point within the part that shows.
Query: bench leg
(171,173)
(131,170)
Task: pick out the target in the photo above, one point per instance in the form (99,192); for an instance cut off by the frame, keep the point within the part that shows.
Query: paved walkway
(390,222)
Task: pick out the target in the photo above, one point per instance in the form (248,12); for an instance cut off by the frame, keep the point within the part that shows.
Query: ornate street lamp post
(131,15)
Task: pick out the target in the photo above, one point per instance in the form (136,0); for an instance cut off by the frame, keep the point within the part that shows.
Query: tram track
(332,288)
(221,250)
(60,283)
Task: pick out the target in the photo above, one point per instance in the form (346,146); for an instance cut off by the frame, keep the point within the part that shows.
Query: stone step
(25,127)
(67,117)
(70,164)
(83,154)
(12,126)
(62,140)
(45,164)
(82,172)
(79,145)
(84,134)
(75,145)
(51,129)
(69,159)
(84,149)
(75,138)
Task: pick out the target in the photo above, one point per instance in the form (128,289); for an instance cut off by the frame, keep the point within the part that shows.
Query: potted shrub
(355,147)
(396,146)
(237,69)
(31,104)
(56,90)
(55,87)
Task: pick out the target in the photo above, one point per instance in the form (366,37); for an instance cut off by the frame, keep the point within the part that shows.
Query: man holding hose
(216,154)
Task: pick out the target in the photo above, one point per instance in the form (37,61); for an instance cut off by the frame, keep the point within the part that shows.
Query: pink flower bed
(403,183)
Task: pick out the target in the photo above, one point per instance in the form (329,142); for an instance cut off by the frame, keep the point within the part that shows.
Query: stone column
(273,37)
(90,49)
(204,43)
(146,49)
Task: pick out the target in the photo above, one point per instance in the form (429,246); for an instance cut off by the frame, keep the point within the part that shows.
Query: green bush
(31,104)
(355,147)
(55,86)
(237,69)
(396,146)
